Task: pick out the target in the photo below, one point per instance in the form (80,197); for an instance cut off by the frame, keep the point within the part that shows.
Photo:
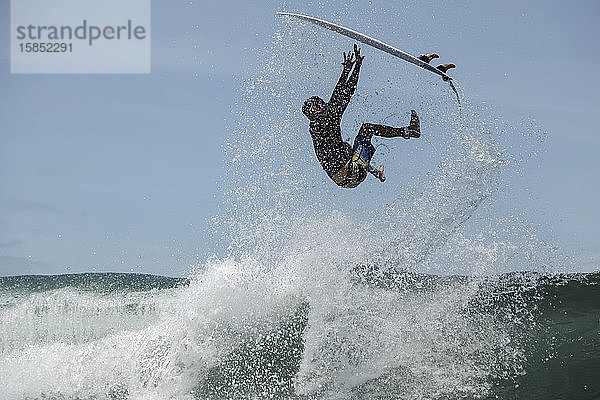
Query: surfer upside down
(348,165)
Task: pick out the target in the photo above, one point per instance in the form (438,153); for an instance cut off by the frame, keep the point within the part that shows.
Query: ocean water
(238,333)
(434,285)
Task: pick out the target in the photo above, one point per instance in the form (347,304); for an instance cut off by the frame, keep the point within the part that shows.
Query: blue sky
(121,172)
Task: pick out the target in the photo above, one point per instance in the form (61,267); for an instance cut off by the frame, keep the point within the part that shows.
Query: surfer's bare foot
(378,173)
(414,129)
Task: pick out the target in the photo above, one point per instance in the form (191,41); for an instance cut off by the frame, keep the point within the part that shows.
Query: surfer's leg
(368,130)
(413,130)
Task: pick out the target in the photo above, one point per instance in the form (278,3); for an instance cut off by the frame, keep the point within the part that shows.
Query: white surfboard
(378,44)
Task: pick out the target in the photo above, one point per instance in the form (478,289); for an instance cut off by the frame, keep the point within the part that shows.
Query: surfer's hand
(348,61)
(359,58)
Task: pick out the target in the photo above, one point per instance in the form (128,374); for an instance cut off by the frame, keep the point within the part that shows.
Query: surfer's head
(313,107)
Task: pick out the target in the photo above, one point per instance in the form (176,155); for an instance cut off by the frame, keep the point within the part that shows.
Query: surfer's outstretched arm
(353,81)
(345,87)
(340,87)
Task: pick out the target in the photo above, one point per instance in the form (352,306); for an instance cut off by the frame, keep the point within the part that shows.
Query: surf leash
(432,145)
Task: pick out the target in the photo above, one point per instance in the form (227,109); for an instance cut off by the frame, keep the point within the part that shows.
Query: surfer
(348,165)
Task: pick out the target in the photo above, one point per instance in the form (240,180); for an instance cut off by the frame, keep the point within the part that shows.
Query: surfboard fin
(427,57)
(445,67)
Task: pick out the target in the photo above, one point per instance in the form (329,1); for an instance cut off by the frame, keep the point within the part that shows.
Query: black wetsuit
(332,152)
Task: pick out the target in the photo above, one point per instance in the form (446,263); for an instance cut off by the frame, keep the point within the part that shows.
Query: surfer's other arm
(353,81)
(346,86)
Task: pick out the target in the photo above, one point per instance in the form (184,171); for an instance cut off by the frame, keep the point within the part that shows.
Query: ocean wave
(236,332)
